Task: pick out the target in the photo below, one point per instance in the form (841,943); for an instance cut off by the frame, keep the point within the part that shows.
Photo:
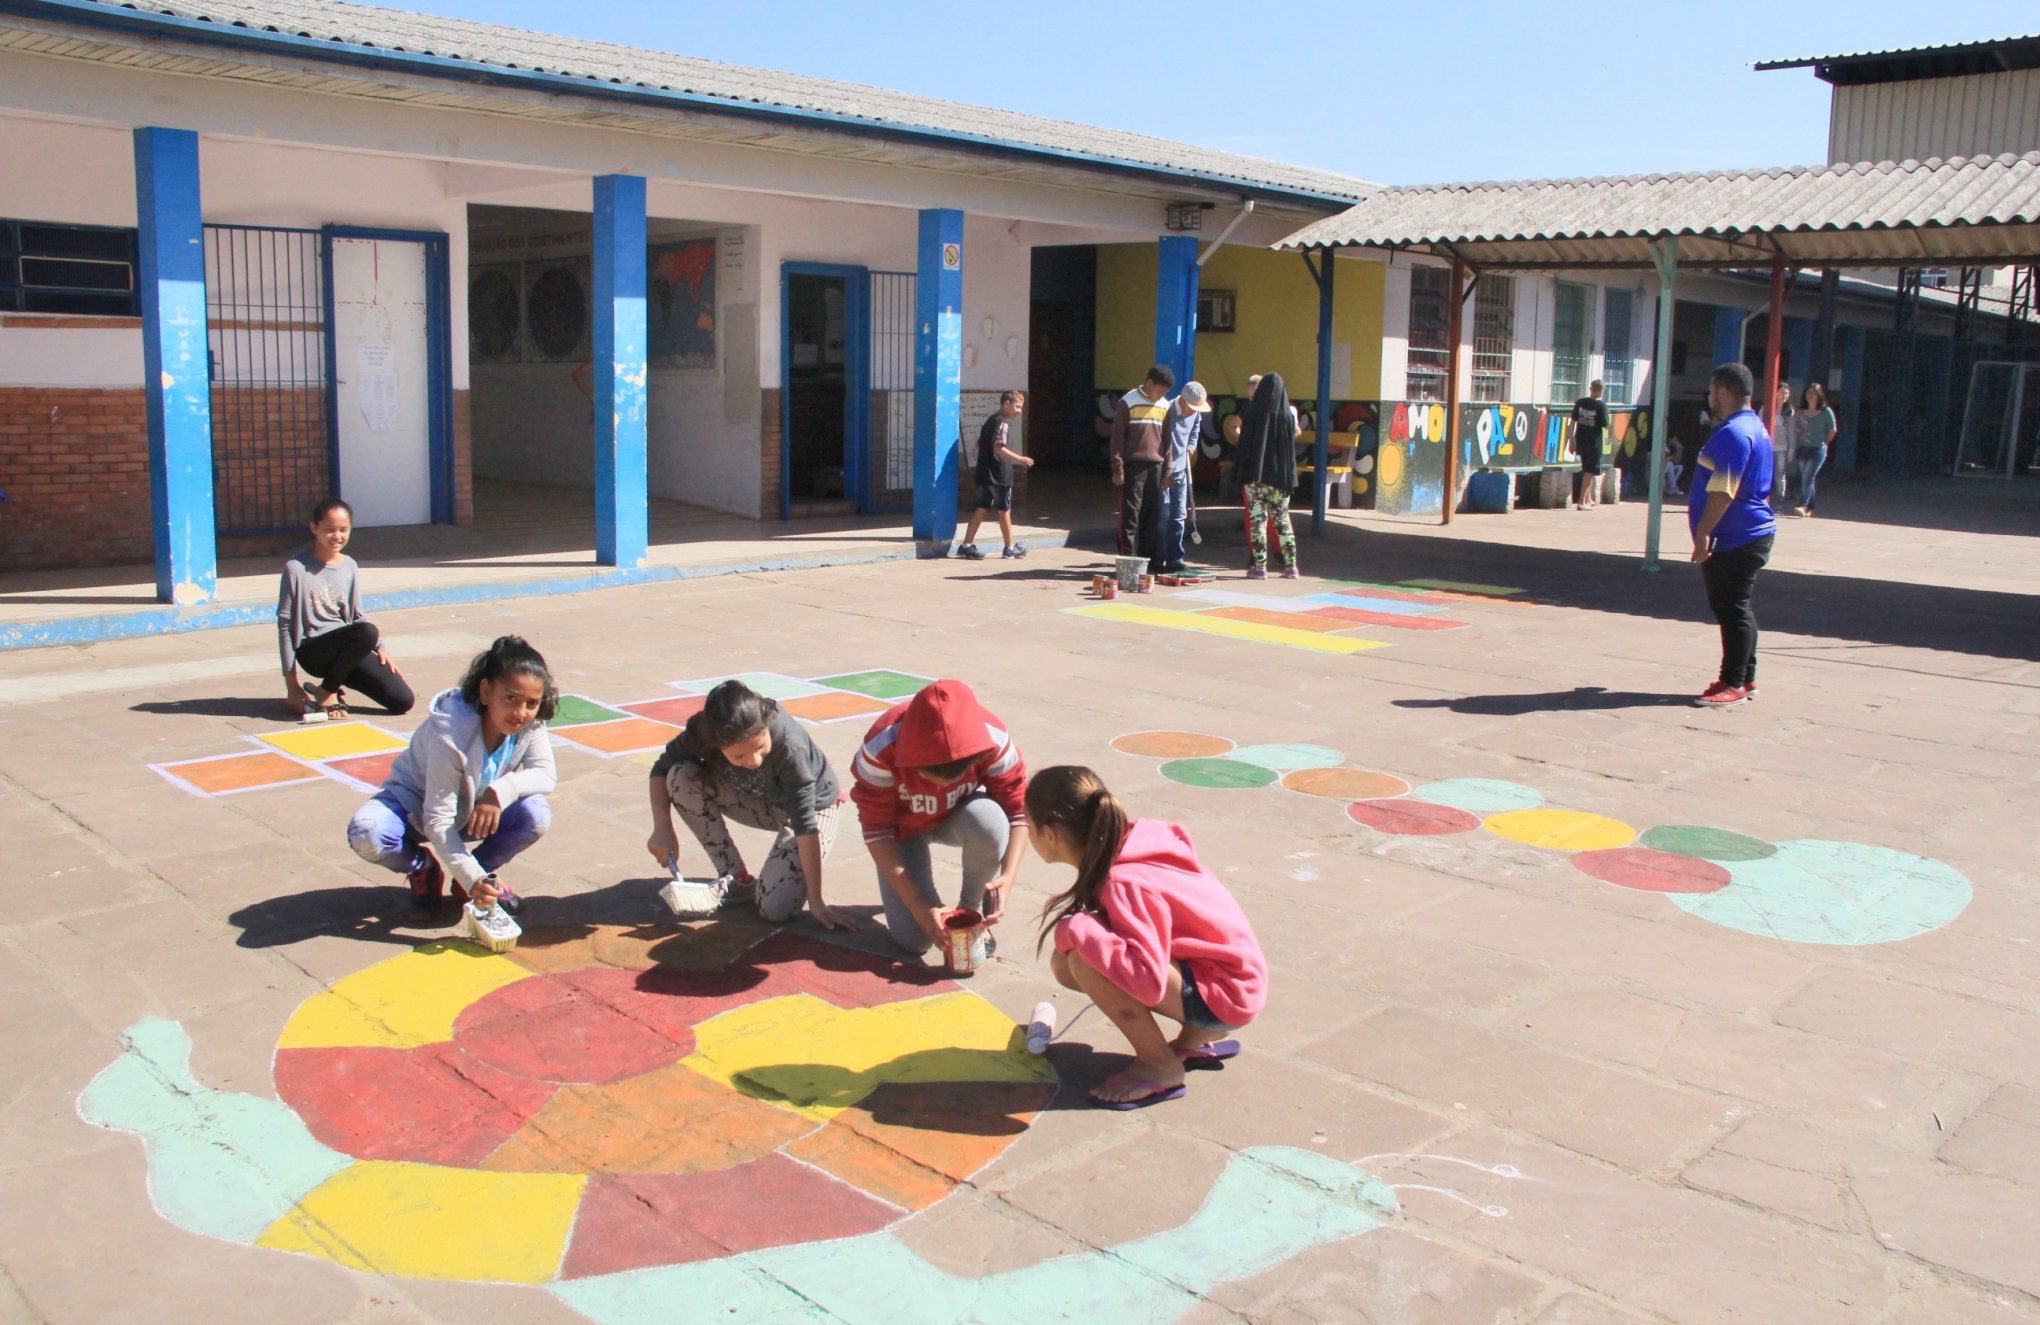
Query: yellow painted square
(334,740)
(409,1000)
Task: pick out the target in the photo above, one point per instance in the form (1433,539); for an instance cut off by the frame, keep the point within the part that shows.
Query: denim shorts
(995,497)
(1196,1012)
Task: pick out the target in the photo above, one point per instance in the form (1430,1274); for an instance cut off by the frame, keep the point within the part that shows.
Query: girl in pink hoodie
(1144,929)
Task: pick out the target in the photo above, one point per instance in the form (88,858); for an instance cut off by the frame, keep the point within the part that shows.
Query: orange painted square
(676,710)
(372,770)
(620,737)
(830,707)
(217,777)
(672,1120)
(1287,620)
(910,1142)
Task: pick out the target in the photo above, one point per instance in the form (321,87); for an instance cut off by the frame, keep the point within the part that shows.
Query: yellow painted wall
(1277,308)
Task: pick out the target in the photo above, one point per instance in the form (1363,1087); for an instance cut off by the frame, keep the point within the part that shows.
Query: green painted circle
(1217,773)
(1706,843)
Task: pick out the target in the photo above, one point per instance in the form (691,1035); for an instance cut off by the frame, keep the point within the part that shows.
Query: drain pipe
(1246,210)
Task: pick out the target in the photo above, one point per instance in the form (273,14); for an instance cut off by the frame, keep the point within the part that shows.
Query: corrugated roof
(1991,55)
(1954,213)
(432,41)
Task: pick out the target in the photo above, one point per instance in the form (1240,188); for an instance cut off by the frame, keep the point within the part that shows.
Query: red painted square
(370,770)
(676,710)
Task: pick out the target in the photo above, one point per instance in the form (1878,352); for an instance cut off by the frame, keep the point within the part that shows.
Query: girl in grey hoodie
(477,770)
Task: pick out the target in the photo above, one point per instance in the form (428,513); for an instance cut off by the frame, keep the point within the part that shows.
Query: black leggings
(1731,580)
(345,656)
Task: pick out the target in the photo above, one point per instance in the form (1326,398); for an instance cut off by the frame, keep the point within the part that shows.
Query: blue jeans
(381,834)
(1175,515)
(1808,462)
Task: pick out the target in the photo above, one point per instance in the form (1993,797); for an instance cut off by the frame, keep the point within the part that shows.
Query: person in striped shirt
(940,769)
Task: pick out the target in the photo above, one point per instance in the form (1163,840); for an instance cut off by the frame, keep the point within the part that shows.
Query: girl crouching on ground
(743,757)
(477,770)
(1145,929)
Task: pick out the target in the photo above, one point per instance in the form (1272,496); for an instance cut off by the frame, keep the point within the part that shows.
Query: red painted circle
(1408,818)
(585,1027)
(1653,871)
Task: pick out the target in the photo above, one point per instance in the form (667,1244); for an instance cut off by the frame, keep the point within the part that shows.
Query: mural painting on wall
(680,304)
(1410,470)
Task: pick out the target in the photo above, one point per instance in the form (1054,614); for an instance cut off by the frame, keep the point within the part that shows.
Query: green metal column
(1664,254)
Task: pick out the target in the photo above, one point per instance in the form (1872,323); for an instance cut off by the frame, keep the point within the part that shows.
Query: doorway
(387,373)
(825,358)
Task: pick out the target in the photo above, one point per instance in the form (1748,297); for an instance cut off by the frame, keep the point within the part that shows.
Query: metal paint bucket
(1127,572)
(963,941)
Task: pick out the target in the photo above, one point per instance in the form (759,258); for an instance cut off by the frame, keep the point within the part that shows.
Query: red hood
(942,724)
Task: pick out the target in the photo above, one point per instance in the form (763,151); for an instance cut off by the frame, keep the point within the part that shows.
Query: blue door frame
(438,356)
(856,382)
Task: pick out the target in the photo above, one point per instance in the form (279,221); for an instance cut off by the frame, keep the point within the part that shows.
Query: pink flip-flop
(1212,1054)
(1157,1095)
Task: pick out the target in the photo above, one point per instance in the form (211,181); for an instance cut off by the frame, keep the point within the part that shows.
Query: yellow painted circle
(1391,466)
(1359,486)
(1561,830)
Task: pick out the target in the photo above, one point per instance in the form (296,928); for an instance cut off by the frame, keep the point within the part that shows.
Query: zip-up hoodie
(941,724)
(435,778)
(1159,906)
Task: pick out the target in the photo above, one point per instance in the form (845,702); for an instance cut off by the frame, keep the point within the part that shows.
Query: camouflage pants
(1263,505)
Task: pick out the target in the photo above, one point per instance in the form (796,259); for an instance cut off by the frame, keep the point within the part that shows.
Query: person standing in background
(1137,450)
(1590,422)
(1816,432)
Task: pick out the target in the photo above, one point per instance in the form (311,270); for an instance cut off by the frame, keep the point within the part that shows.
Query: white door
(380,380)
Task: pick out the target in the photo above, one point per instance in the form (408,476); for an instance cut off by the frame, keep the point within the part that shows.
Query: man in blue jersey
(1733,527)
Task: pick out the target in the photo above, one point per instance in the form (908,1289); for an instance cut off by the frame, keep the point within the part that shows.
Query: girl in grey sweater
(319,627)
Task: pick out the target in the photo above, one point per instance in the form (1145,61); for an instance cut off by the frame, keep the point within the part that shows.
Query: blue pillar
(1728,337)
(622,526)
(938,376)
(1176,305)
(175,365)
(1849,413)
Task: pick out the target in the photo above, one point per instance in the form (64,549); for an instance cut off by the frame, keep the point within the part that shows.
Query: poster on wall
(375,366)
(680,303)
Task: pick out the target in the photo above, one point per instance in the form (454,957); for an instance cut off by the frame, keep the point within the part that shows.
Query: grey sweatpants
(739,794)
(982,829)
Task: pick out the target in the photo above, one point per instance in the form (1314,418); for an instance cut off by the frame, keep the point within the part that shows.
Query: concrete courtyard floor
(1593,1104)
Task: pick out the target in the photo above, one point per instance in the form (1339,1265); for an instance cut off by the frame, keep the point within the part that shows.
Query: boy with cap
(1187,425)
(940,769)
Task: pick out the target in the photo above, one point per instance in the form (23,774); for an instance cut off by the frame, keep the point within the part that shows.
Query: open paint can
(1108,589)
(1127,572)
(963,941)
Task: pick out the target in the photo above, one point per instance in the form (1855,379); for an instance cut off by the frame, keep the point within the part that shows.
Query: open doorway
(1062,324)
(824,386)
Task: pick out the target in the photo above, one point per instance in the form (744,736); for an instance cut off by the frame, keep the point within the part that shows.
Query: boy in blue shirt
(1733,527)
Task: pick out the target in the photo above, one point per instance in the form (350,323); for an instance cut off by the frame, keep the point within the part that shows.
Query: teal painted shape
(1813,891)
(222,1164)
(769,684)
(1268,1205)
(1480,795)
(1287,758)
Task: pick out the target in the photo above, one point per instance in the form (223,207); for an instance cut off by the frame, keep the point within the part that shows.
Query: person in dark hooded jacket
(939,768)
(1265,465)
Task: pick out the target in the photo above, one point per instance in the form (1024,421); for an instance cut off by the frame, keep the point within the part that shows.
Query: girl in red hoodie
(1144,929)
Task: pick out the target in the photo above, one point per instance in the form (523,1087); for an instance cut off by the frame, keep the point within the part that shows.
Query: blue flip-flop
(1157,1096)
(1211,1055)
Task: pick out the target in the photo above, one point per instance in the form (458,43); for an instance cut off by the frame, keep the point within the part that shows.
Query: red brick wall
(768,453)
(463,457)
(75,467)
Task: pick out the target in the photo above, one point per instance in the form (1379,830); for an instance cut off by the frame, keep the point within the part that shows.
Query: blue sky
(1402,94)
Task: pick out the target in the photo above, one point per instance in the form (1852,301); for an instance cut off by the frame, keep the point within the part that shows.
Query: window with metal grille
(87,269)
(1569,343)
(1494,336)
(1430,325)
(1618,367)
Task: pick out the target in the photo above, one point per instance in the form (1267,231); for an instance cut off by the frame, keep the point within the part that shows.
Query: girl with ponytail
(1144,929)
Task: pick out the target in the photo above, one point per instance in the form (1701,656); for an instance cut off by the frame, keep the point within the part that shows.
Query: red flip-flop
(1157,1095)
(1212,1054)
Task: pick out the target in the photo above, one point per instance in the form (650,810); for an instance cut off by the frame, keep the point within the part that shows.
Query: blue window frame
(50,268)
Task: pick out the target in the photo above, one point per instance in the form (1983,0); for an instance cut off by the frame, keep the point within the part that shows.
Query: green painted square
(575,711)
(878,685)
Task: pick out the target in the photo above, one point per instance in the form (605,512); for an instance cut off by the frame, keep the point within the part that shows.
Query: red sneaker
(1721,694)
(426,882)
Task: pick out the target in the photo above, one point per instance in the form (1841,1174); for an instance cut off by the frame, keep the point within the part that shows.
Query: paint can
(1147,584)
(1041,1028)
(963,941)
(1108,590)
(1127,572)
(1098,583)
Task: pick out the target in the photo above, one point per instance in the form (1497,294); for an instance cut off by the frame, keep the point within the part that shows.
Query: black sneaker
(1015,552)
(428,883)
(969,552)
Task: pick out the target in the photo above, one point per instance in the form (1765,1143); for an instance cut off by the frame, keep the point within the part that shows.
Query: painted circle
(1359,486)
(1345,784)
(1561,830)
(1411,818)
(1652,871)
(1815,891)
(583,1028)
(1171,745)
(1391,464)
(1364,465)
(1223,773)
(1284,758)
(1481,795)
(1706,843)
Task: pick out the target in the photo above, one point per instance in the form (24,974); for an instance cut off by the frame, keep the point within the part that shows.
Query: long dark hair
(733,712)
(510,656)
(1073,801)
(1267,446)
